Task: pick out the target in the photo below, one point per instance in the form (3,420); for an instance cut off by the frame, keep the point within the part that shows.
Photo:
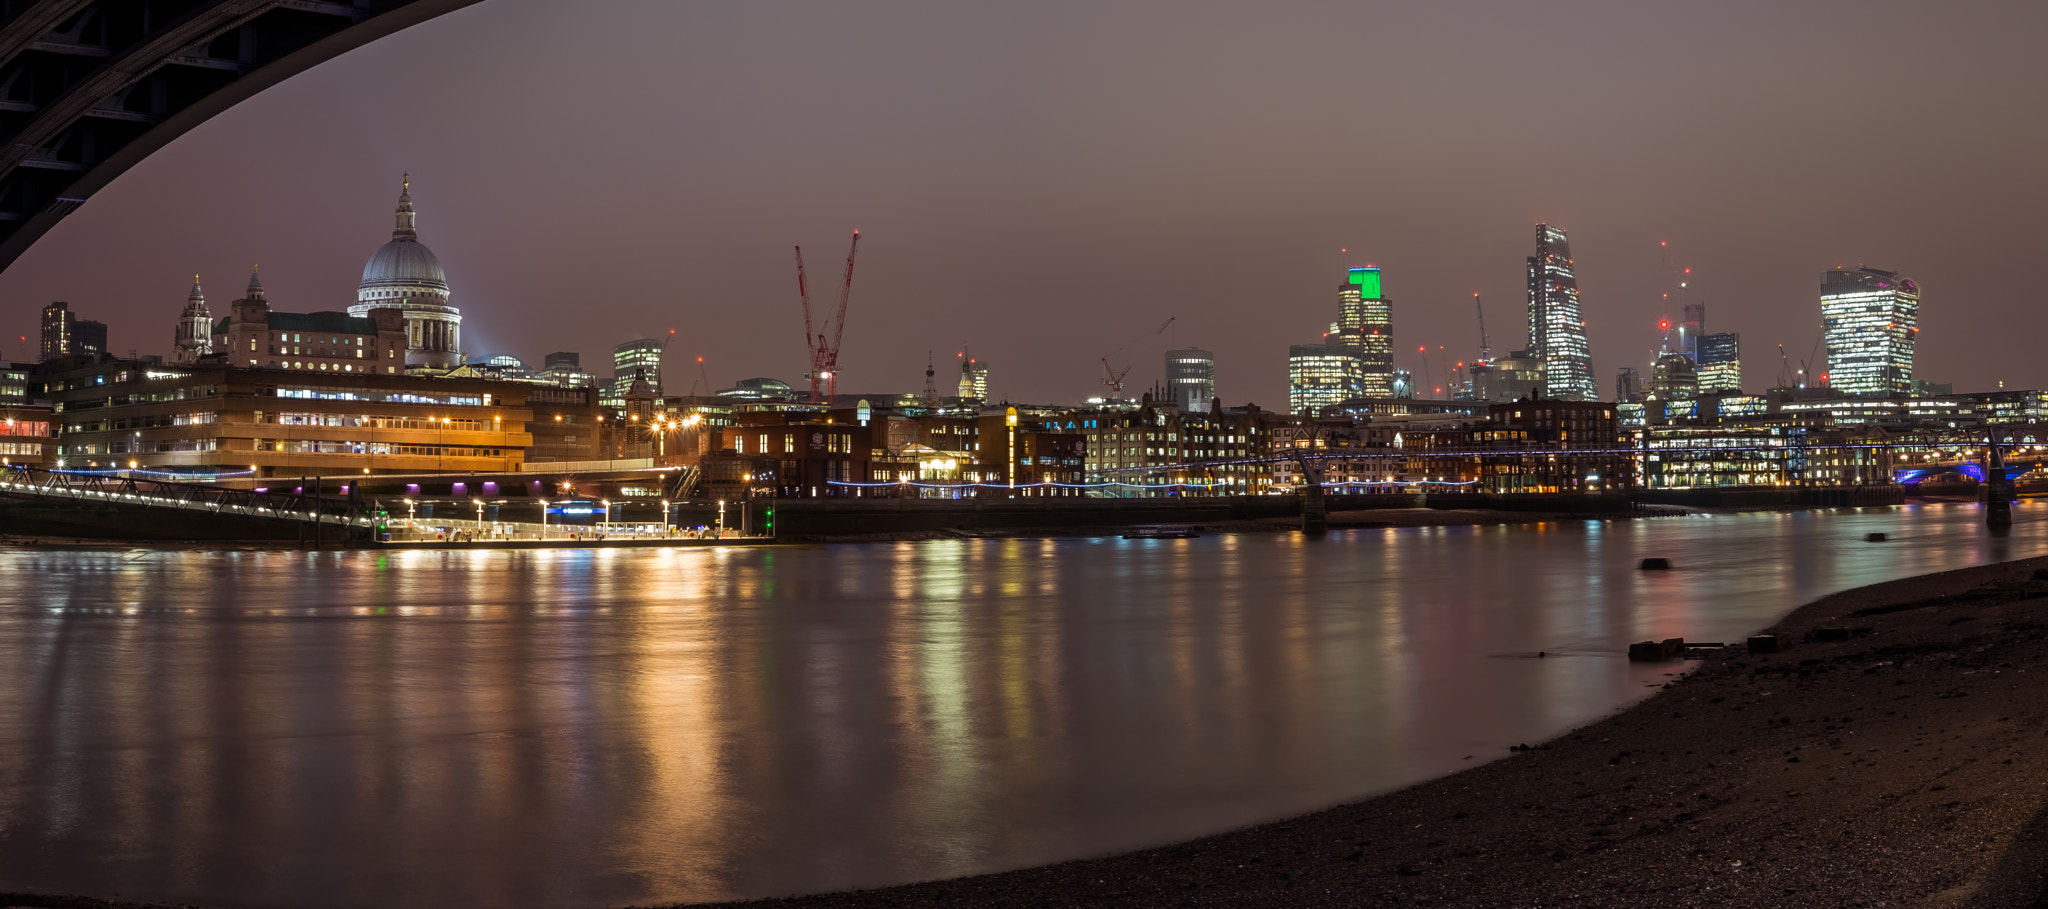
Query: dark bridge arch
(90,87)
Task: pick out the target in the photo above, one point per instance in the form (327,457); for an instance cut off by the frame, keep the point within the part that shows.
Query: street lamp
(721,518)
(543,519)
(408,512)
(479,513)
(607,514)
(664,517)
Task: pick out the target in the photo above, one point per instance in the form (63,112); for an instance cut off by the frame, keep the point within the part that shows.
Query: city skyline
(697,244)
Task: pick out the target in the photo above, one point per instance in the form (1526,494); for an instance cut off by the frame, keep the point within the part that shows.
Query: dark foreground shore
(1906,765)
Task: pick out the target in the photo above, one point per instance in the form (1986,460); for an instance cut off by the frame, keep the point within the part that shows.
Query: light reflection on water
(580,729)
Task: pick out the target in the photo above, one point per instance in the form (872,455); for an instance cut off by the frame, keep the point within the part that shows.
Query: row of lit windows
(326,367)
(444,424)
(391,397)
(318,446)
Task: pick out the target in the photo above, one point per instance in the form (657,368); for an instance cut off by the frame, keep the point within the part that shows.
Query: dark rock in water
(1657,650)
(1656,564)
(1874,537)
(1769,643)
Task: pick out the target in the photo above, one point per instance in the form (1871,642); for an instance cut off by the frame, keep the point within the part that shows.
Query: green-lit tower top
(1368,281)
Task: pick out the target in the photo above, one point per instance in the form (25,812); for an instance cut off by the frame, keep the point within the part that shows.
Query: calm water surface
(584,729)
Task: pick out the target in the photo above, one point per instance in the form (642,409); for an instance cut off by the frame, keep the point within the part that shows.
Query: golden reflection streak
(674,690)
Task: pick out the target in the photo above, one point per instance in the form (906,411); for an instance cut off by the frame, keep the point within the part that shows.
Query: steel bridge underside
(88,88)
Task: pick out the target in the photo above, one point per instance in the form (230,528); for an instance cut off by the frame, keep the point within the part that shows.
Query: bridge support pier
(1315,508)
(1997,489)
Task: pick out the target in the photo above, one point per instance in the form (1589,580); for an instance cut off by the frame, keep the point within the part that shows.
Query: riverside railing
(124,488)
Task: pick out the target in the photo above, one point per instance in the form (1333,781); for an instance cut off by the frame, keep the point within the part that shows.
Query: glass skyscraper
(1691,328)
(1869,319)
(1365,323)
(1557,330)
(1720,357)
(1321,375)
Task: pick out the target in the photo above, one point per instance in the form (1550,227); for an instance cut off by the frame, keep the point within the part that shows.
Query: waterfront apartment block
(1156,450)
(1542,445)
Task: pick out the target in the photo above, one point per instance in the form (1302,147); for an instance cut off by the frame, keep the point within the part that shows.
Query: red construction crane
(703,378)
(825,355)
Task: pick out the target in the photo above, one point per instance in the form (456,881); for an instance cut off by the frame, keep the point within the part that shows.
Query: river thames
(585,729)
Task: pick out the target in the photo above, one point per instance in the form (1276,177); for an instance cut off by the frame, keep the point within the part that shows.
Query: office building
(253,335)
(1674,377)
(639,359)
(1365,324)
(220,418)
(1629,387)
(1511,378)
(759,389)
(503,366)
(88,337)
(1557,329)
(1322,375)
(1869,321)
(1720,361)
(405,275)
(565,368)
(193,337)
(1191,378)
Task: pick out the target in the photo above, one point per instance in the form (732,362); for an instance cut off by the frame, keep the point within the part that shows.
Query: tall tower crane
(825,354)
(1113,378)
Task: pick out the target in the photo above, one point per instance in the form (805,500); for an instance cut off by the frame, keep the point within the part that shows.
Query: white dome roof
(407,263)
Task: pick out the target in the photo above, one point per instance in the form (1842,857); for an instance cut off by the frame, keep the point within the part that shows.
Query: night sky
(1046,181)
